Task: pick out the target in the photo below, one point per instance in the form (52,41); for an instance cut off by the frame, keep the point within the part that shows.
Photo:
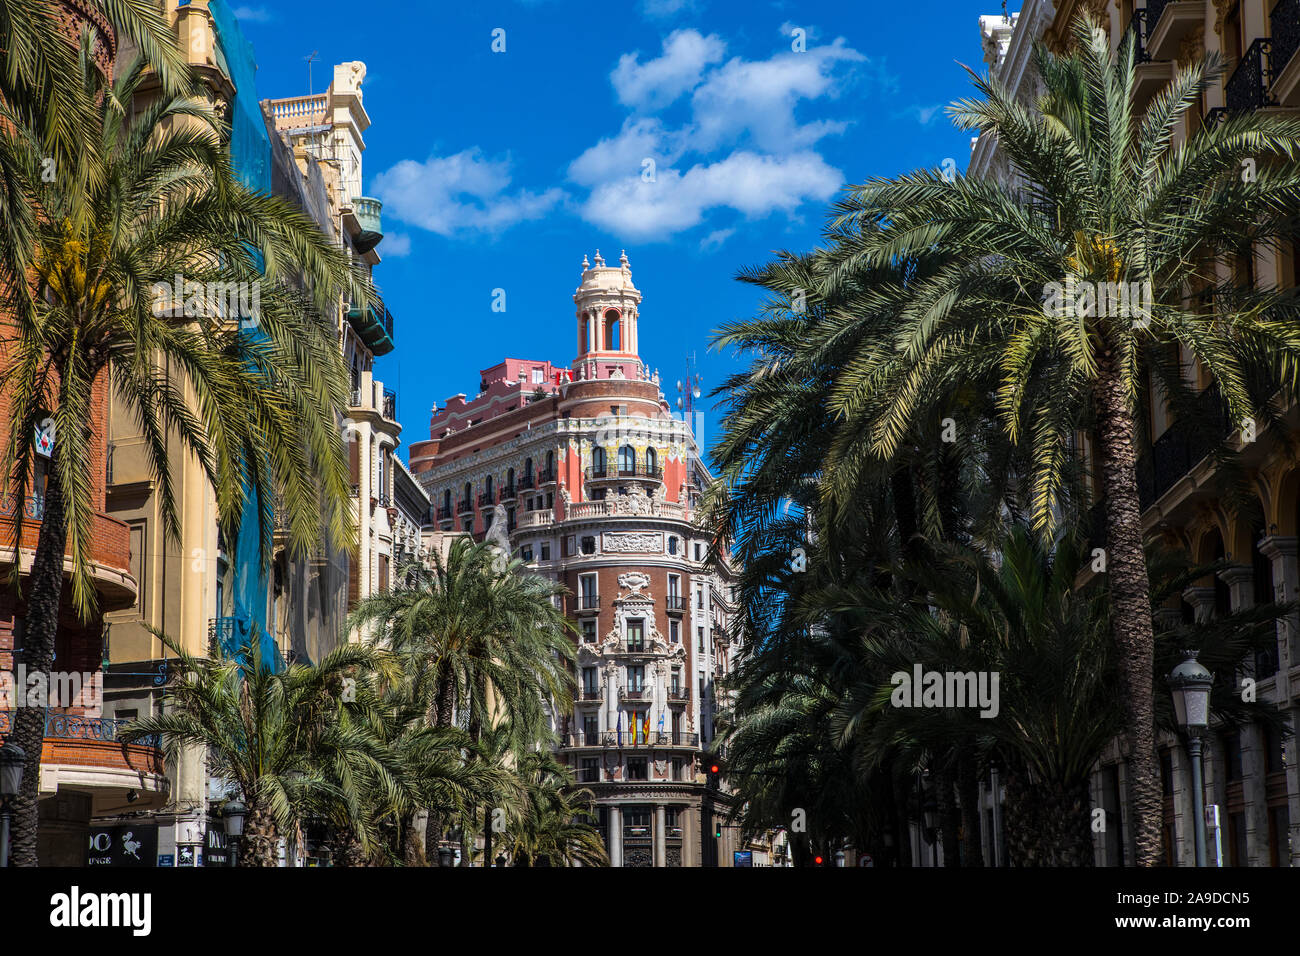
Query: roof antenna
(315,52)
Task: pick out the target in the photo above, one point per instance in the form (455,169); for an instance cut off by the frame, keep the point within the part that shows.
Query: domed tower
(607,304)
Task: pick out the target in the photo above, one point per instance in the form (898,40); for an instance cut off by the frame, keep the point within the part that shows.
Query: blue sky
(502,169)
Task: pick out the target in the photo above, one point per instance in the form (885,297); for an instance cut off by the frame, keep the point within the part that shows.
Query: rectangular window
(636,770)
(589,631)
(701,633)
(590,680)
(589,545)
(591,729)
(636,634)
(636,677)
(679,773)
(699,598)
(699,551)
(526,552)
(546,550)
(538,376)
(674,634)
(674,585)
(590,770)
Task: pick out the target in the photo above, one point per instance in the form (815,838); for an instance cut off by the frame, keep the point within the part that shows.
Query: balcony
(223,637)
(679,695)
(389,405)
(1285,29)
(445,513)
(592,693)
(374,325)
(110,548)
(1185,443)
(485,499)
(367,211)
(632,647)
(1168,23)
(1248,87)
(634,693)
(508,493)
(587,602)
(527,483)
(536,519)
(1151,75)
(676,603)
(596,472)
(546,476)
(79,750)
(464,505)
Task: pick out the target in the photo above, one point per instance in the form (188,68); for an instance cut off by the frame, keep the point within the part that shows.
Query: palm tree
(480,636)
(551,825)
(1108,199)
(275,735)
(264,406)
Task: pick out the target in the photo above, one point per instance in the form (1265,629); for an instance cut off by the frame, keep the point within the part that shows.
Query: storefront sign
(127,844)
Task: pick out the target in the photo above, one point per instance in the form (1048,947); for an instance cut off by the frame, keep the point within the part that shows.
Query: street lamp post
(12,758)
(235,812)
(1190,683)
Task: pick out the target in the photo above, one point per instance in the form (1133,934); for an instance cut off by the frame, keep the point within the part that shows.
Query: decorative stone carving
(635,580)
(1191,47)
(634,502)
(633,542)
(1221,10)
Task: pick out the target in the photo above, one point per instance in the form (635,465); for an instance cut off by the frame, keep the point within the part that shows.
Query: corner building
(596,484)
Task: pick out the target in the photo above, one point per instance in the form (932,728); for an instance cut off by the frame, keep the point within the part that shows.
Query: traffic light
(714,773)
(818,860)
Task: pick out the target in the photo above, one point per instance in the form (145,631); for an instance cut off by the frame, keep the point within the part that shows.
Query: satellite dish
(696,392)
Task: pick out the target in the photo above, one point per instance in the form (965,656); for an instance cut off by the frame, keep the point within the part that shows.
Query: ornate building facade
(585,474)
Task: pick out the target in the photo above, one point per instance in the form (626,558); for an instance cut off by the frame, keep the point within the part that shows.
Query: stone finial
(599,260)
(585,264)
(623,259)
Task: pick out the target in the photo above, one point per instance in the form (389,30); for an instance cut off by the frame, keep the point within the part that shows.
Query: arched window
(510,479)
(612,331)
(469,492)
(598,462)
(487,487)
(651,460)
(626,460)
(446,500)
(550,466)
(528,468)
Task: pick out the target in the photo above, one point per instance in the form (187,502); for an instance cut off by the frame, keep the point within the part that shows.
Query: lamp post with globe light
(1190,684)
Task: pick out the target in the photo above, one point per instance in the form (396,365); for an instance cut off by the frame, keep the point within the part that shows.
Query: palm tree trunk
(260,839)
(968,790)
(42,624)
(949,820)
(1130,598)
(413,841)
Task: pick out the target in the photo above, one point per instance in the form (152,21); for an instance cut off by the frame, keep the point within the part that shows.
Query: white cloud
(396,245)
(716,238)
(458,194)
(925,115)
(667,8)
(626,153)
(756,99)
(658,82)
(746,182)
(253,14)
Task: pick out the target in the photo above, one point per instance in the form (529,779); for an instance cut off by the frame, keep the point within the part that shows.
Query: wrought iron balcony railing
(390,405)
(527,483)
(587,602)
(1248,87)
(465,504)
(676,602)
(33,506)
(546,476)
(445,513)
(1137,28)
(1285,29)
(79,727)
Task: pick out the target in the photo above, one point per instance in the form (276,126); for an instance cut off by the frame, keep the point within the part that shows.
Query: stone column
(1282,551)
(661,835)
(1201,598)
(615,837)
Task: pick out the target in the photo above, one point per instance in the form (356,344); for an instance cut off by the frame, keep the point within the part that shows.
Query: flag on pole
(645,728)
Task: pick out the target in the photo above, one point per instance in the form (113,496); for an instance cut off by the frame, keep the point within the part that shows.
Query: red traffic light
(713,768)
(818,860)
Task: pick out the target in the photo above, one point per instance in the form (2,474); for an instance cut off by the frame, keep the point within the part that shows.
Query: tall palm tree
(263,411)
(275,735)
(550,825)
(1108,198)
(480,636)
